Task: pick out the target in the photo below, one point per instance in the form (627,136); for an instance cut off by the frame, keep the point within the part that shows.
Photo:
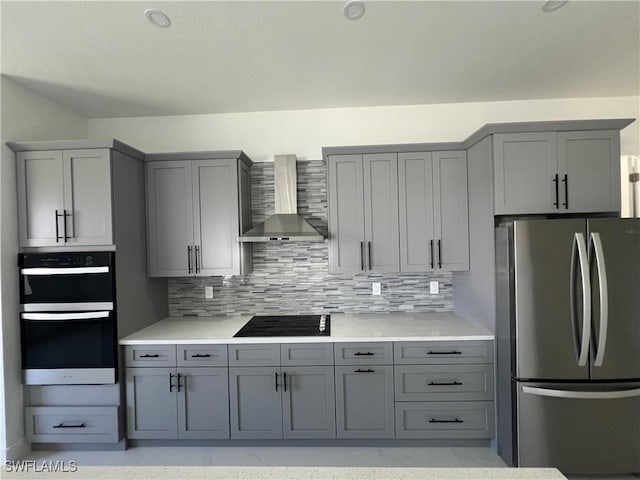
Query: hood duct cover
(285,224)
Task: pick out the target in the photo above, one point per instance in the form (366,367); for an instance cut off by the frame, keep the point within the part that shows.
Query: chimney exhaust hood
(285,224)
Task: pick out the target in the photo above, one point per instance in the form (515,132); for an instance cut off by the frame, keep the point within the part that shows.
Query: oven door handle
(65,316)
(63,271)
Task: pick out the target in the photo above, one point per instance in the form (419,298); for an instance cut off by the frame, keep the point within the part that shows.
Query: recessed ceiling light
(157,18)
(353,10)
(553,5)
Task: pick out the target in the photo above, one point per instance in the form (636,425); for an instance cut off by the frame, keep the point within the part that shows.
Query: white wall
(304,132)
(25,116)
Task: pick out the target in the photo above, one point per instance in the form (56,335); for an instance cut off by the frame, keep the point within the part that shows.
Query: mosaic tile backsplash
(294,278)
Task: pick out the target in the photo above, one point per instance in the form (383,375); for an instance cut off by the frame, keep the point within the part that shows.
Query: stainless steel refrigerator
(568,344)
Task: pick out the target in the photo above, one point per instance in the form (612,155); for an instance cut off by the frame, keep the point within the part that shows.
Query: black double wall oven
(68,322)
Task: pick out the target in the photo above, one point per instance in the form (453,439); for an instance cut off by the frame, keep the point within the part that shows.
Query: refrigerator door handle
(580,245)
(613,394)
(604,299)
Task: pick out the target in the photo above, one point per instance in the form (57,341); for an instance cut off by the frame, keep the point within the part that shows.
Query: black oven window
(68,344)
(89,287)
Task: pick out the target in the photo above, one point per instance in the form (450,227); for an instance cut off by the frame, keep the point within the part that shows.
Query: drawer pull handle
(452,352)
(146,355)
(440,384)
(200,355)
(368,370)
(360,354)
(456,420)
(62,425)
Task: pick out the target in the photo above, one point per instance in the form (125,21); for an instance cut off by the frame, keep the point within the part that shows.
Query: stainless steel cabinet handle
(62,425)
(368,370)
(370,263)
(565,180)
(448,352)
(362,256)
(439,253)
(276,381)
(604,299)
(197,253)
(171,385)
(444,384)
(146,355)
(200,355)
(284,381)
(359,354)
(189,259)
(179,378)
(557,202)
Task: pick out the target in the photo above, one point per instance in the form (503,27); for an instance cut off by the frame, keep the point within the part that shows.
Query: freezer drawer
(579,428)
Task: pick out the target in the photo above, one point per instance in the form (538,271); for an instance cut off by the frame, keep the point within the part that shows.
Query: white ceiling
(103,59)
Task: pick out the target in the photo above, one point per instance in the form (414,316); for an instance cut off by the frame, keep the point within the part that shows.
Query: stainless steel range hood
(285,224)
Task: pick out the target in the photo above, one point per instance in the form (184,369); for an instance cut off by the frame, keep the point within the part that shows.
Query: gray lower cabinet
(364,389)
(292,400)
(187,401)
(444,389)
(364,401)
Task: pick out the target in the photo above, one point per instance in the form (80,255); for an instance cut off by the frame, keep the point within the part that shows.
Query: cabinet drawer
(443,382)
(364,353)
(150,355)
(72,424)
(306,353)
(467,351)
(202,355)
(255,354)
(444,419)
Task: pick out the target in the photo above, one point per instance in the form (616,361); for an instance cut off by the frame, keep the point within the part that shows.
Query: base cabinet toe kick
(341,392)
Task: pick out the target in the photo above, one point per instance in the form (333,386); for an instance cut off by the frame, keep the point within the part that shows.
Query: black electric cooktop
(286,326)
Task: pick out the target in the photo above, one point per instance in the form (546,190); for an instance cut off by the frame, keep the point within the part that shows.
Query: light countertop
(391,327)
(295,473)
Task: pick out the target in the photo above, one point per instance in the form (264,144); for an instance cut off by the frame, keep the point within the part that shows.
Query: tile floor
(295,456)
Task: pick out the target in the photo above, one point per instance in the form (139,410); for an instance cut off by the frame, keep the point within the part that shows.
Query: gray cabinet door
(203,402)
(169,217)
(308,403)
(87,197)
(451,217)
(525,167)
(364,402)
(255,402)
(417,238)
(591,163)
(216,217)
(381,212)
(40,194)
(152,403)
(346,214)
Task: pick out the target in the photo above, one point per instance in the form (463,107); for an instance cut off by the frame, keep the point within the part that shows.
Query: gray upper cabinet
(434,231)
(591,163)
(363,213)
(195,216)
(64,198)
(557,172)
